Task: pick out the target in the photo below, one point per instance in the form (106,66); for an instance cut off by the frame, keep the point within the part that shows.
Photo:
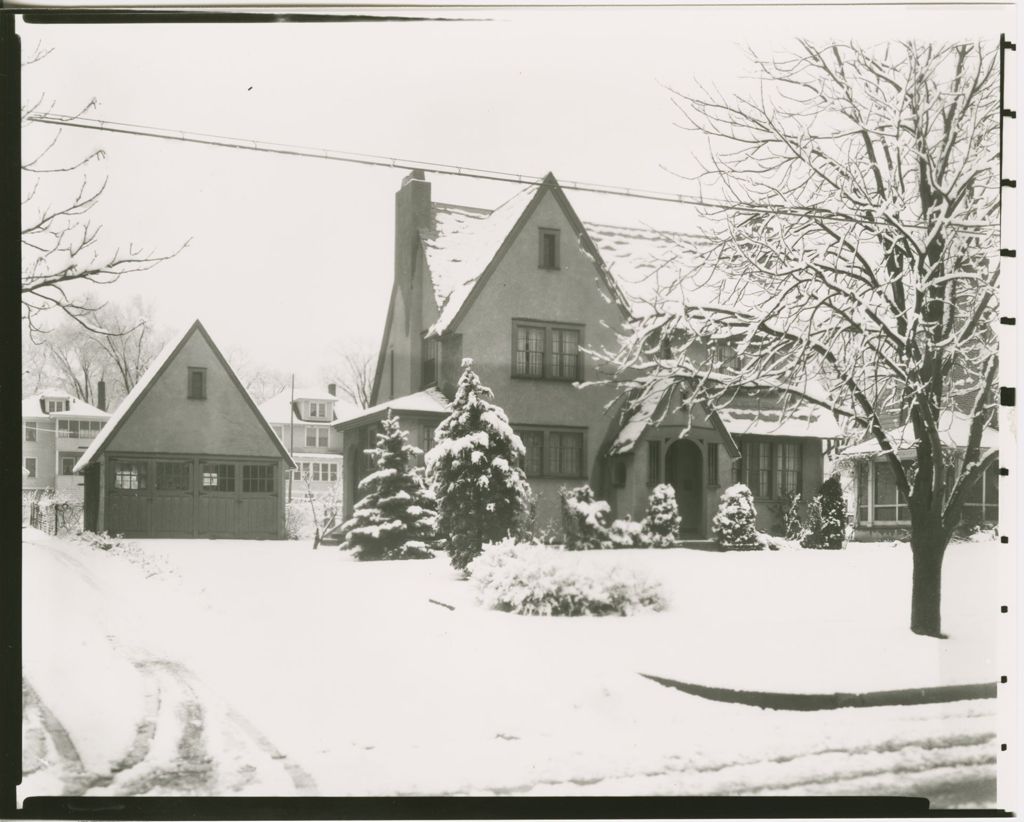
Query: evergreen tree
(827,517)
(396,518)
(584,519)
(476,474)
(734,524)
(792,527)
(662,522)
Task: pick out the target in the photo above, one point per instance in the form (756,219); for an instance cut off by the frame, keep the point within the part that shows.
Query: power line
(380,161)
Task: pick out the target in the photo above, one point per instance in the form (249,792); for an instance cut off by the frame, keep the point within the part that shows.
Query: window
(317,436)
(30,432)
(431,357)
(173,476)
(757,468)
(70,428)
(30,466)
(257,479)
(197,383)
(546,351)
(129,476)
(619,473)
(318,410)
(653,462)
(533,463)
(217,476)
(427,437)
(67,466)
(712,458)
(57,405)
(549,248)
(787,468)
(981,503)
(889,503)
(863,483)
(770,469)
(565,454)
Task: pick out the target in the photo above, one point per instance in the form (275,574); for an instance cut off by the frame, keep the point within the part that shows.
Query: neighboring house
(56,430)
(303,421)
(187,454)
(877,507)
(522,290)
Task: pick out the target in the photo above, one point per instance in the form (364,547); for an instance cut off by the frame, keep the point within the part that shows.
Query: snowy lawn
(351,671)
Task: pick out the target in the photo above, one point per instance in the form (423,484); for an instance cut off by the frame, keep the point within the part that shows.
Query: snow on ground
(347,674)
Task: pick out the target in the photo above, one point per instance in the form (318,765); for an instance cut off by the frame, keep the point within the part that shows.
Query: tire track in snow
(53,737)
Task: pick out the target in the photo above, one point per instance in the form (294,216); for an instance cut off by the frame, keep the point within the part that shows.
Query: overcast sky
(291,259)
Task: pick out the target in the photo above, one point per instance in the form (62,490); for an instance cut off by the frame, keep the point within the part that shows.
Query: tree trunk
(928,547)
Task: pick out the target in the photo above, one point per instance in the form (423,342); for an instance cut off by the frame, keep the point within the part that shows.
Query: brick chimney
(332,389)
(412,214)
(101,395)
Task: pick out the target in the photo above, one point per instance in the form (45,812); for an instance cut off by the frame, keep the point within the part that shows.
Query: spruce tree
(663,522)
(827,517)
(734,526)
(396,518)
(475,472)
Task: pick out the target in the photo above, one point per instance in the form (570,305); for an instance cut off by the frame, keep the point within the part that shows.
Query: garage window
(173,476)
(197,383)
(130,476)
(257,479)
(218,476)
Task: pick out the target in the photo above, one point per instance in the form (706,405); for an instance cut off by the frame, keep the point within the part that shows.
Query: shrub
(773,543)
(734,525)
(542,581)
(826,517)
(662,522)
(584,519)
(624,533)
(298,520)
(792,527)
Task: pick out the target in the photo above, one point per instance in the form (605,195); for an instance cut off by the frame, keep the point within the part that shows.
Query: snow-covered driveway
(266,668)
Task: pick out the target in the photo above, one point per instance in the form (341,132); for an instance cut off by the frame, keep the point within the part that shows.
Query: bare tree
(354,375)
(850,262)
(76,359)
(129,342)
(61,248)
(261,382)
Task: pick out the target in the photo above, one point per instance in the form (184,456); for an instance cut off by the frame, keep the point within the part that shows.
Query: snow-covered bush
(396,517)
(584,519)
(624,533)
(826,517)
(772,543)
(102,540)
(151,562)
(543,581)
(475,471)
(792,526)
(734,525)
(298,520)
(662,522)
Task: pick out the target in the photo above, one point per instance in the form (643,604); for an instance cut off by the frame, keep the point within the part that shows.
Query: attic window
(197,383)
(549,248)
(318,410)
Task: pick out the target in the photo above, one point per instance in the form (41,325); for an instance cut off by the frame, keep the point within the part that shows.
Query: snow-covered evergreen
(662,522)
(584,519)
(396,518)
(792,525)
(475,473)
(734,524)
(826,517)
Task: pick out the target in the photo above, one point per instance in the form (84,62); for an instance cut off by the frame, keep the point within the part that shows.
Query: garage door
(193,497)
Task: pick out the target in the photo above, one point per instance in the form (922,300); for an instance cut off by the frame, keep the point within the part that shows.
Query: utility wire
(381,161)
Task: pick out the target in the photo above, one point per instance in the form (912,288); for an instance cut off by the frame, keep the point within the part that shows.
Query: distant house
(187,454)
(877,507)
(56,430)
(523,290)
(303,420)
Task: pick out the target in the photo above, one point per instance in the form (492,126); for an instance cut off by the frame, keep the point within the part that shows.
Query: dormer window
(549,248)
(197,383)
(318,410)
(56,406)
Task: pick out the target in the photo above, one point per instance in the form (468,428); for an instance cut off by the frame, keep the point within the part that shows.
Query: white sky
(290,258)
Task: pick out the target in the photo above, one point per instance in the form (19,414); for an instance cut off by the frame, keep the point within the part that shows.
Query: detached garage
(187,454)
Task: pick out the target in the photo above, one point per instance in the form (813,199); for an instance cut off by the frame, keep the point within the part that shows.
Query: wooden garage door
(193,497)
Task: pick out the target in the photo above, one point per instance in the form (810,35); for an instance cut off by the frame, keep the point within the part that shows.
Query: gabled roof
(31,407)
(428,401)
(280,411)
(954,429)
(156,368)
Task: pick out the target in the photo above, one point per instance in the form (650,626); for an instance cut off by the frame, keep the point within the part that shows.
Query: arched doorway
(683,471)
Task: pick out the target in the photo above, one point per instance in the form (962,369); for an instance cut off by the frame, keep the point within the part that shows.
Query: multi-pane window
(30,466)
(757,461)
(653,462)
(30,432)
(318,410)
(218,476)
(257,479)
(787,468)
(53,406)
(890,504)
(197,383)
(427,437)
(712,463)
(319,471)
(431,357)
(173,476)
(80,429)
(981,503)
(549,248)
(67,466)
(770,469)
(565,454)
(863,498)
(533,463)
(544,351)
(129,476)
(316,436)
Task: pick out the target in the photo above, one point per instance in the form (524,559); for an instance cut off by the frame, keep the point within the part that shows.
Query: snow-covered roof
(954,429)
(278,409)
(33,407)
(430,400)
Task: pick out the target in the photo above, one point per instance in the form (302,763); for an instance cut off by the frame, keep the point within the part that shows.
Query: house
(879,510)
(523,289)
(187,454)
(56,430)
(302,419)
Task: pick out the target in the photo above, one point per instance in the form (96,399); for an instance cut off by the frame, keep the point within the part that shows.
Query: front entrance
(683,471)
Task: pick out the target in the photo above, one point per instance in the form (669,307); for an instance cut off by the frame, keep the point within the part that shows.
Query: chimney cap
(415,174)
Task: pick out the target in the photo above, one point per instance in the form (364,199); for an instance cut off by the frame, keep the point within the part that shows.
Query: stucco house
(523,289)
(302,419)
(56,430)
(187,454)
